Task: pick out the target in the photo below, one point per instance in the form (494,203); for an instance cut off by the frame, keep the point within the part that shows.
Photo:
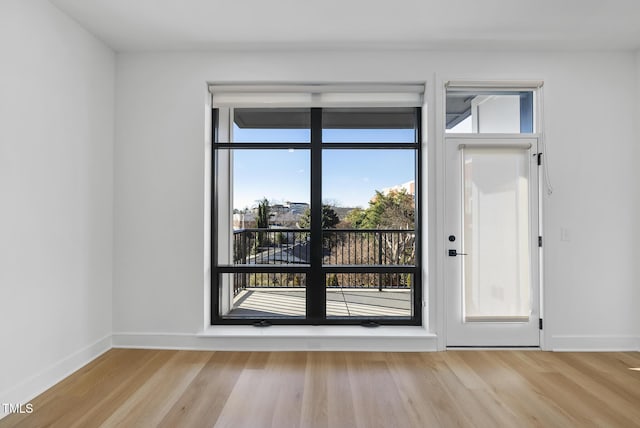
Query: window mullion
(316,303)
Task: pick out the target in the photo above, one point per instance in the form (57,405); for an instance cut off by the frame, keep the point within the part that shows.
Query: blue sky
(350,177)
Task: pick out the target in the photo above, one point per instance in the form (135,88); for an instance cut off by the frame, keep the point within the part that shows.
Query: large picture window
(316,214)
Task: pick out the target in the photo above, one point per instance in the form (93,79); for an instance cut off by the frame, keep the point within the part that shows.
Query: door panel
(491,272)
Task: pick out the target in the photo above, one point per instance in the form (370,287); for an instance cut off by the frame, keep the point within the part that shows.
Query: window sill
(287,338)
(302,331)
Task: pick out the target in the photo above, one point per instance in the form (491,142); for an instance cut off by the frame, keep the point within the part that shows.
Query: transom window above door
(486,110)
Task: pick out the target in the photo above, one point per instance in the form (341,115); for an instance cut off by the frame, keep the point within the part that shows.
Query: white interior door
(491,227)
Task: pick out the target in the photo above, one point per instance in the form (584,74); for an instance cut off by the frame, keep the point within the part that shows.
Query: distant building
(409,187)
(280,215)
(279,209)
(298,207)
(245,220)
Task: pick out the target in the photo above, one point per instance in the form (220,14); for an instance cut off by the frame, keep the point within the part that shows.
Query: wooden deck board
(290,302)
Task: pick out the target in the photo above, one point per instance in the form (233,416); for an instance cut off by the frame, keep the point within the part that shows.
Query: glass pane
(487,112)
(271,125)
(262,295)
(269,194)
(372,193)
(496,225)
(370,295)
(358,178)
(282,177)
(369,125)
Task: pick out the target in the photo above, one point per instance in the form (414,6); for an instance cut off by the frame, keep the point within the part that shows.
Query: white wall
(591,281)
(592,277)
(56,197)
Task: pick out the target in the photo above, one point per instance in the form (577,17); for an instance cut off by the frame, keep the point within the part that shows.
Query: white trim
(443,84)
(589,343)
(390,95)
(40,382)
(475,136)
(437,209)
(427,200)
(316,88)
(523,146)
(317,95)
(286,338)
(493,84)
(207,198)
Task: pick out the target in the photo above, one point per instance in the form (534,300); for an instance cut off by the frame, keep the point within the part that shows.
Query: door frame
(436,304)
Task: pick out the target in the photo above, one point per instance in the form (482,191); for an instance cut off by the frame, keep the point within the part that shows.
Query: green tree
(395,210)
(329,218)
(355,217)
(262,222)
(262,219)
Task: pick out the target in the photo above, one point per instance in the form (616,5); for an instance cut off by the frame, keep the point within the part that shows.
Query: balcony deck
(262,302)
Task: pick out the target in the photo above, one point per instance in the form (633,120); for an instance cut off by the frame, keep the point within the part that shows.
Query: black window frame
(316,270)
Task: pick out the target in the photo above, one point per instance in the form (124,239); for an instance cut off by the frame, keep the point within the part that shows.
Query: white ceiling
(170,25)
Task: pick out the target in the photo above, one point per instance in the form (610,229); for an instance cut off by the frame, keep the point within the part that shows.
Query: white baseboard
(272,339)
(598,343)
(40,382)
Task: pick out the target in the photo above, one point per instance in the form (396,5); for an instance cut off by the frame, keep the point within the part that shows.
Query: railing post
(379,260)
(245,253)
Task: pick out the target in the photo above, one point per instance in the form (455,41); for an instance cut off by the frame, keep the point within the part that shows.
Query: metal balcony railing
(271,246)
(341,247)
(379,247)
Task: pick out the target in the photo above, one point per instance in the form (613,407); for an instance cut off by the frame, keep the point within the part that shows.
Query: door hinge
(539,159)
(540,323)
(539,241)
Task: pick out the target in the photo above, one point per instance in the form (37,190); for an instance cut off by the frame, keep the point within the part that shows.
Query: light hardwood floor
(149,388)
